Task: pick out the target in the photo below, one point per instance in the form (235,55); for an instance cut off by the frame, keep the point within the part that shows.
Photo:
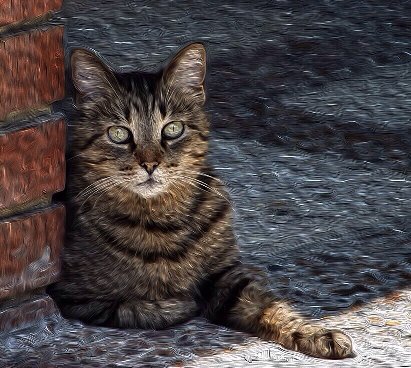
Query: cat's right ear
(91,78)
(186,71)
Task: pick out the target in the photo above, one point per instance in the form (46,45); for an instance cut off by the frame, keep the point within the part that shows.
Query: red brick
(32,163)
(24,313)
(30,247)
(31,70)
(18,10)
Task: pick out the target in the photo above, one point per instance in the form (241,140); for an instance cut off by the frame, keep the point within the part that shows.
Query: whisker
(96,190)
(209,187)
(110,187)
(225,184)
(191,181)
(102,185)
(96,183)
(188,217)
(208,176)
(199,186)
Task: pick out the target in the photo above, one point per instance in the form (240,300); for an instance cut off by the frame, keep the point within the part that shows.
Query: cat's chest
(154,263)
(163,278)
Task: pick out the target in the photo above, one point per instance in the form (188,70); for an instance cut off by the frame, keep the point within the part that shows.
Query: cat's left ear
(187,71)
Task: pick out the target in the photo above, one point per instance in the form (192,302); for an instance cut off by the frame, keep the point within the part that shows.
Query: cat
(150,241)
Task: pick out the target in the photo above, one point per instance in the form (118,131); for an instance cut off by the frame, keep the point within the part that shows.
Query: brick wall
(32,158)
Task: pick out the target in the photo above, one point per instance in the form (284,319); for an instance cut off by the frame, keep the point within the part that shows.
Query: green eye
(118,134)
(173,130)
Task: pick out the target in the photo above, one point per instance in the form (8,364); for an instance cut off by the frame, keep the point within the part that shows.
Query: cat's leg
(156,314)
(126,314)
(240,298)
(93,312)
(80,304)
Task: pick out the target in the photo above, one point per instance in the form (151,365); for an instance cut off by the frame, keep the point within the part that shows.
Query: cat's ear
(91,78)
(186,71)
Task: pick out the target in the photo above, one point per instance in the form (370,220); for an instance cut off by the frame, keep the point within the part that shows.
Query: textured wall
(33,163)
(32,159)
(12,11)
(32,70)
(30,251)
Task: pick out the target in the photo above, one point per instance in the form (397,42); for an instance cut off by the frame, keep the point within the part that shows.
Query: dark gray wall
(319,75)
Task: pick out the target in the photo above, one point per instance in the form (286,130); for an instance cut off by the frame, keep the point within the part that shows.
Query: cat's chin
(149,189)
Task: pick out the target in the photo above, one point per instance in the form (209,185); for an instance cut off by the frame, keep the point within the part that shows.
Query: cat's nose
(149,166)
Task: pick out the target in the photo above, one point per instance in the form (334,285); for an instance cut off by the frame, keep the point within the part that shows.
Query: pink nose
(149,166)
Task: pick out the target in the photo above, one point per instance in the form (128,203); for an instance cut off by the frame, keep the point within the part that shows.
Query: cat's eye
(173,130)
(118,134)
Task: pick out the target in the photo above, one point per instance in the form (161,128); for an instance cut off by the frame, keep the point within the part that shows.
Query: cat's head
(146,131)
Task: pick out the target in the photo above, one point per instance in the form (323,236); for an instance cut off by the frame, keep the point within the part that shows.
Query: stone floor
(381,331)
(309,103)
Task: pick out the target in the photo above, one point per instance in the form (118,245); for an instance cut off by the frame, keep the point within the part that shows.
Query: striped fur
(151,255)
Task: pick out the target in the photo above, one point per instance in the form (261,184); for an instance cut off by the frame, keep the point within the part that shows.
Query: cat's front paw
(328,344)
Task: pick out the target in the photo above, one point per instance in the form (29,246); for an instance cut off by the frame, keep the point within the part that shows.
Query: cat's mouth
(150,187)
(150,181)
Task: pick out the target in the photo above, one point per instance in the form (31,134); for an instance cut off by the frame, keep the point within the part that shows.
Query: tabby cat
(150,240)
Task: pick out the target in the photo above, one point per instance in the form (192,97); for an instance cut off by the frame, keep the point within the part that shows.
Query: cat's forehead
(148,104)
(144,106)
(140,91)
(146,121)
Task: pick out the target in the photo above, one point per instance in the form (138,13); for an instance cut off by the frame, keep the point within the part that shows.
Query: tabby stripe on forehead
(153,104)
(162,108)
